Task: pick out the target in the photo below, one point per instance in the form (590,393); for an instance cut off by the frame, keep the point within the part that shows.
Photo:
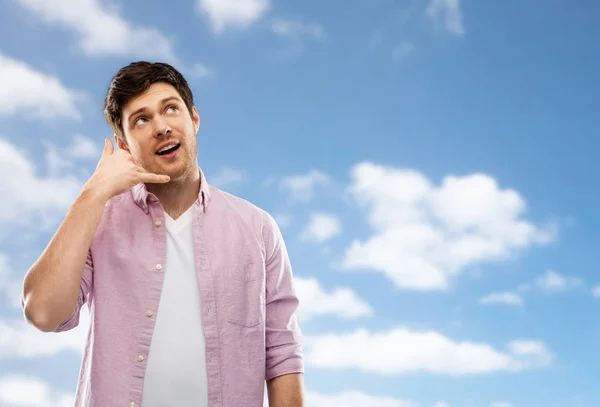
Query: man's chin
(176,171)
(176,175)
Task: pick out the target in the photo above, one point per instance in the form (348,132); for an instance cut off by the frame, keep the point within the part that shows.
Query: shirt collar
(141,196)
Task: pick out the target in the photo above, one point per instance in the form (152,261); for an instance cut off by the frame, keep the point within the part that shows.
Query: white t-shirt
(176,369)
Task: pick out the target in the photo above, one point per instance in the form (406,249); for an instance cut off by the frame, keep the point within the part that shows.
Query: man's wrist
(94,193)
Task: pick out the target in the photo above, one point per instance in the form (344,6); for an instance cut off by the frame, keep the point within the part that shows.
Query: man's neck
(177,196)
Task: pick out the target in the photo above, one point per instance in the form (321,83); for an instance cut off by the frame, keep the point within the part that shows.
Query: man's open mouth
(168,149)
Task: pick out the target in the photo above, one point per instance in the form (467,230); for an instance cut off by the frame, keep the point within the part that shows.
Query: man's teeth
(167,148)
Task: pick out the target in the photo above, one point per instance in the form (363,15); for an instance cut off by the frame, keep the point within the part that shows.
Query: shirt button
(149,312)
(140,358)
(208,309)
(159,266)
(158,222)
(144,206)
(132,404)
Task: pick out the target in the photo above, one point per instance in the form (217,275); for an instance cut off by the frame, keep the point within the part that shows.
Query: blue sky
(430,163)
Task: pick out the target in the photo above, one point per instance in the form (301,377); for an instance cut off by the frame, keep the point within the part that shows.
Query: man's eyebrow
(162,102)
(168,99)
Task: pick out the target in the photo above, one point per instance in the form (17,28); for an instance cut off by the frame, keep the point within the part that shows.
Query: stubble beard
(184,169)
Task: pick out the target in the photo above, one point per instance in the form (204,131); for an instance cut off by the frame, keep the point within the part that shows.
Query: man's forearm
(286,390)
(51,285)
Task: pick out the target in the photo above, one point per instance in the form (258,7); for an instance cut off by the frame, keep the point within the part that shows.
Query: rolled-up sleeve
(85,287)
(283,335)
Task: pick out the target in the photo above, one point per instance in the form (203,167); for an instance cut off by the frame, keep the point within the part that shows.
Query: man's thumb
(108,147)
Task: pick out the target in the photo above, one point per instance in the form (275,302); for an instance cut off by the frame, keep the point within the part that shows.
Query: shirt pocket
(247,296)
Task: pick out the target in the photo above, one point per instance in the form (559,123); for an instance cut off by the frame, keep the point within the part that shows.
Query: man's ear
(121,143)
(196,119)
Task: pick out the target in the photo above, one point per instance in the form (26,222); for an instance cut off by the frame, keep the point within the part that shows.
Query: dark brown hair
(136,78)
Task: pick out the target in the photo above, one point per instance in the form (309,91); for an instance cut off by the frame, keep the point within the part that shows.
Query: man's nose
(161,127)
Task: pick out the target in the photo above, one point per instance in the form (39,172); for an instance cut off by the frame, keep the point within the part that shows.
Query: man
(190,289)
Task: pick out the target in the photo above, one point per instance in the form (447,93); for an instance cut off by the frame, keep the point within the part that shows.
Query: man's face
(156,119)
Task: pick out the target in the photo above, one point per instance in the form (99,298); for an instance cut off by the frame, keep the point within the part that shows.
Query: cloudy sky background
(431,164)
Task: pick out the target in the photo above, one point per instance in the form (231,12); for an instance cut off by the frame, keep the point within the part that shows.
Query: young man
(190,289)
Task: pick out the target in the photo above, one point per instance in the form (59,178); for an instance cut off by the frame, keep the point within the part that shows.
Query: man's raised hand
(117,172)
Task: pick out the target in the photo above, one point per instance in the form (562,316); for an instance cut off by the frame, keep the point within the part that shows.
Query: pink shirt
(249,304)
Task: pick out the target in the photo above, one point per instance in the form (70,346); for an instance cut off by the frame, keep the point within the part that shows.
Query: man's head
(148,106)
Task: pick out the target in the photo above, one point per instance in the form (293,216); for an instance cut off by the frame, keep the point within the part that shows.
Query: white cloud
(27,92)
(101,30)
(227,177)
(322,227)
(535,351)
(596,291)
(61,158)
(354,398)
(426,235)
(302,186)
(83,147)
(269,181)
(19,181)
(9,288)
(447,12)
(19,340)
(55,161)
(441,404)
(342,302)
(238,14)
(289,28)
(24,391)
(202,71)
(403,50)
(401,351)
(282,220)
(501,404)
(507,298)
(553,282)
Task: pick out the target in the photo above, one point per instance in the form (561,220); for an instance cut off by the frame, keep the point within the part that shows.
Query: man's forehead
(156,94)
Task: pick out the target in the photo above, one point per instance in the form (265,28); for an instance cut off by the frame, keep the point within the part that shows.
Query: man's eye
(172,108)
(139,120)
